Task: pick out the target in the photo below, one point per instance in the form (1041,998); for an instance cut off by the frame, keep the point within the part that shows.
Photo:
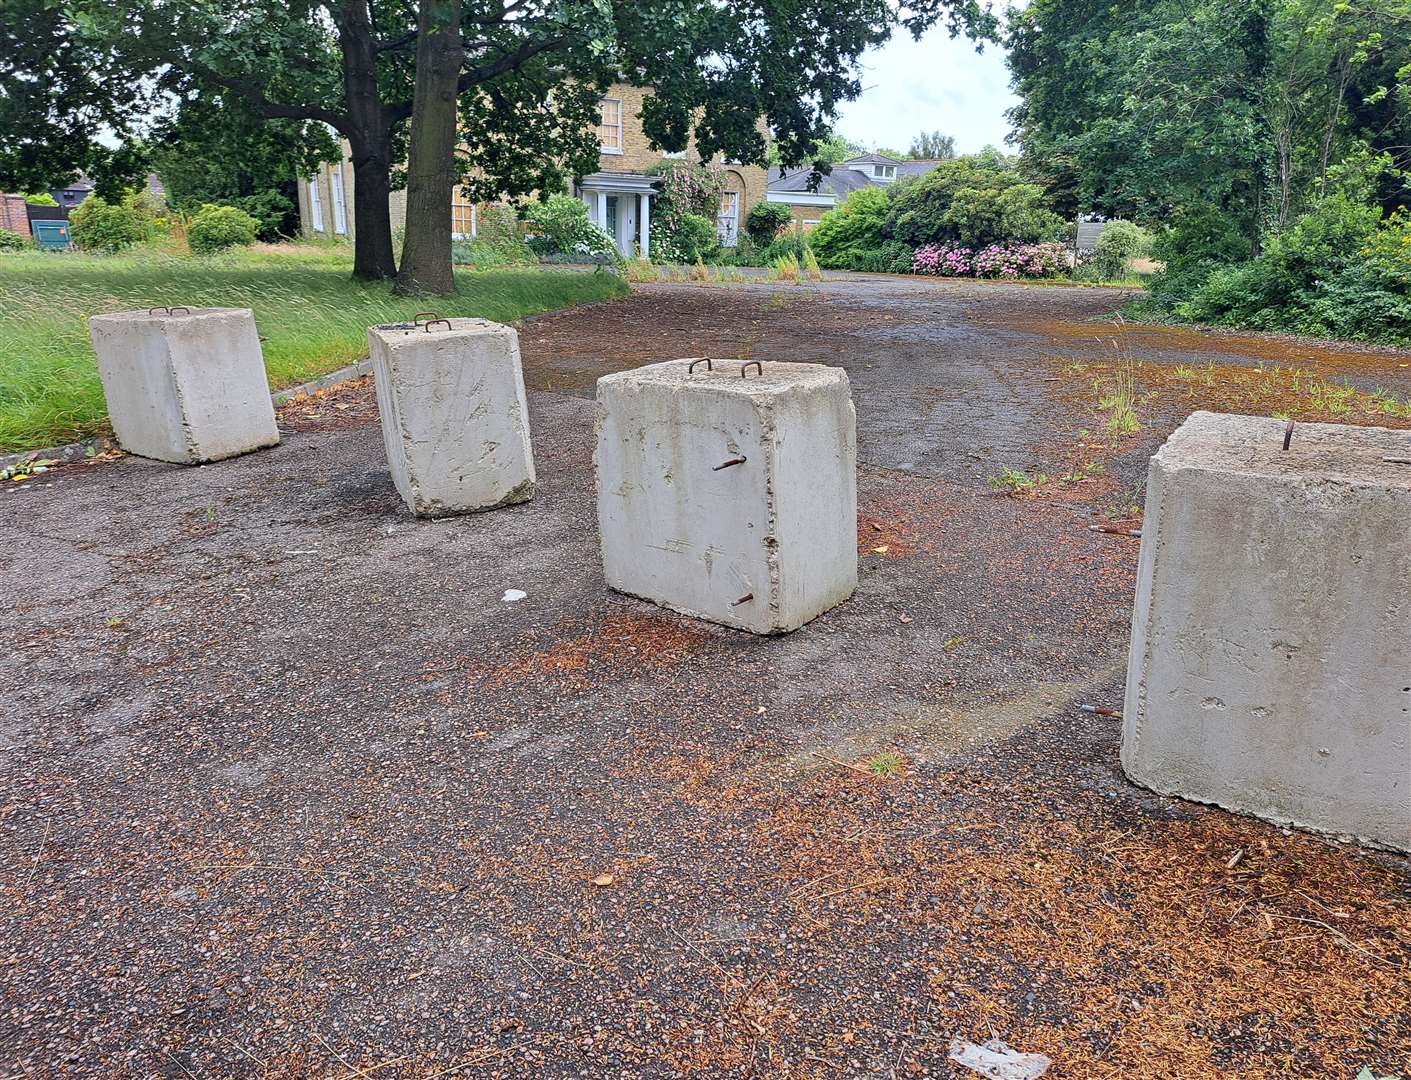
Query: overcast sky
(934,84)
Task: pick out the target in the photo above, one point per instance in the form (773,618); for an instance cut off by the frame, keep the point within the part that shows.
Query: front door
(610,225)
(728,223)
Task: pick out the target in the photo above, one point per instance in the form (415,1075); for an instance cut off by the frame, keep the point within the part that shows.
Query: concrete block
(454,419)
(1270,670)
(729,498)
(184,384)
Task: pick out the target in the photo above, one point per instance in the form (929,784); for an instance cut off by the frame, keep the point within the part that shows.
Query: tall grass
(313,315)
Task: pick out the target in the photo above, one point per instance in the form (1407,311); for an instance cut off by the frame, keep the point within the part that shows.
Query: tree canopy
(527,75)
(1145,108)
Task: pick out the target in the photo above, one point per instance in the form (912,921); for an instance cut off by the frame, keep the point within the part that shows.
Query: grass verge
(313,315)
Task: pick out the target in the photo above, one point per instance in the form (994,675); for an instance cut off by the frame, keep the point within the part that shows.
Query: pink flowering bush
(993,261)
(943,260)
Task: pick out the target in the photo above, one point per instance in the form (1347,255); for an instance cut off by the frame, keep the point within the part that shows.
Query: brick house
(866,170)
(618,195)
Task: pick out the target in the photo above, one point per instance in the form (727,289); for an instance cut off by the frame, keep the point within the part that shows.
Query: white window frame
(315,205)
(458,201)
(340,202)
(884,172)
(603,148)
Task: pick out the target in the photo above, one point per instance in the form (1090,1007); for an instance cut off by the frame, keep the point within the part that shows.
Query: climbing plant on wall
(684,190)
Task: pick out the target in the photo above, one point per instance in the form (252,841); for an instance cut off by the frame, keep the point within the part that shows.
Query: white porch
(621,205)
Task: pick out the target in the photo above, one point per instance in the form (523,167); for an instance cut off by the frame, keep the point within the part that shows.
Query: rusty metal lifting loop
(156,310)
(743,600)
(691,367)
(1288,434)
(433,322)
(748,364)
(726,464)
(417,317)
(179,307)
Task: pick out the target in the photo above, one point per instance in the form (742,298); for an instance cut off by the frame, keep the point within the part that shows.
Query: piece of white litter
(511,595)
(998,1061)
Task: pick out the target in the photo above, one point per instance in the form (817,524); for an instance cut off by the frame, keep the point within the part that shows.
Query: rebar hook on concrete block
(748,364)
(433,322)
(691,367)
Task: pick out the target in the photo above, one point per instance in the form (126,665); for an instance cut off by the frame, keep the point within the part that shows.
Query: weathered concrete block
(184,385)
(730,498)
(1270,670)
(454,419)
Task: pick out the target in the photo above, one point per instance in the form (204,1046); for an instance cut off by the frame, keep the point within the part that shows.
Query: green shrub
(562,230)
(1199,241)
(973,201)
(695,239)
(894,257)
(792,244)
(850,236)
(270,209)
(1119,243)
(100,226)
(1337,272)
(215,228)
(42,198)
(765,220)
(13,241)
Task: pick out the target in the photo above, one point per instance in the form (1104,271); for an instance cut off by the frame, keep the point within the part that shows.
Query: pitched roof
(870,159)
(843,181)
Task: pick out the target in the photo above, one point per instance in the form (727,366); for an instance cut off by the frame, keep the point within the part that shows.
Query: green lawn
(314,317)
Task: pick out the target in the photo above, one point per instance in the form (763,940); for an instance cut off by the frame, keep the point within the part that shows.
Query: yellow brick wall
(636,157)
(805,217)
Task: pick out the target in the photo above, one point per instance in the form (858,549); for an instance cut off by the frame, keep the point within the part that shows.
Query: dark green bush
(765,220)
(215,228)
(850,236)
(791,245)
(695,239)
(13,241)
(270,210)
(972,201)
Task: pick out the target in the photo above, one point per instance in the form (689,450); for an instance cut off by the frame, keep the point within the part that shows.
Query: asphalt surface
(289,790)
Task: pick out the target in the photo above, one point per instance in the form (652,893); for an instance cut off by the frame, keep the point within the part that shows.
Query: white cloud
(935,84)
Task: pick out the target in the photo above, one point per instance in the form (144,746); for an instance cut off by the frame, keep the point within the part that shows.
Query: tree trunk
(431,163)
(369,134)
(372,216)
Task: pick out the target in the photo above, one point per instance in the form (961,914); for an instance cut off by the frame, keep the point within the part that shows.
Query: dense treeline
(1268,142)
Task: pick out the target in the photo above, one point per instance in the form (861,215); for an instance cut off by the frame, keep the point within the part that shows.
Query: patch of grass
(887,763)
(1086,471)
(786,268)
(1017,482)
(313,315)
(1118,399)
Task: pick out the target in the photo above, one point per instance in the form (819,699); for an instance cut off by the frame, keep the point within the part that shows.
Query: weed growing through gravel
(786,268)
(1017,482)
(640,269)
(886,763)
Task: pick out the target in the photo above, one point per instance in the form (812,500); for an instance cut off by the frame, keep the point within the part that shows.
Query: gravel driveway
(290,791)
